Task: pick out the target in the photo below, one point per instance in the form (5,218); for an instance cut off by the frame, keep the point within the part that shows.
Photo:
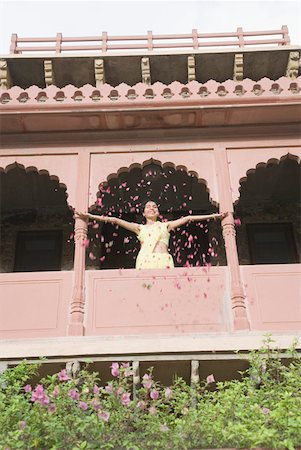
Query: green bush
(262,409)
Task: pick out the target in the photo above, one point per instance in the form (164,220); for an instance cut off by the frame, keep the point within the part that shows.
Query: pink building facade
(197,130)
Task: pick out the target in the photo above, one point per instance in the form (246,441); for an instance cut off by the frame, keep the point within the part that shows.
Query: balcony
(179,301)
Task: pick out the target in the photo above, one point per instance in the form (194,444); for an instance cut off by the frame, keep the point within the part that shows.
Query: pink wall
(157,301)
(112,302)
(34,304)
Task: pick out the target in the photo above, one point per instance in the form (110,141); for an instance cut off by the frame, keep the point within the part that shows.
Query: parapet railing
(149,42)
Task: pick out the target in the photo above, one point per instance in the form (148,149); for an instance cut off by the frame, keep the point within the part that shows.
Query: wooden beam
(293,65)
(99,71)
(238,69)
(191,68)
(145,71)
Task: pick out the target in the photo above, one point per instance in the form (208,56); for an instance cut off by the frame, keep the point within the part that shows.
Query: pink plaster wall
(34,304)
(157,301)
(273,296)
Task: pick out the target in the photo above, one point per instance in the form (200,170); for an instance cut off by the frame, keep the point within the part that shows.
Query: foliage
(262,409)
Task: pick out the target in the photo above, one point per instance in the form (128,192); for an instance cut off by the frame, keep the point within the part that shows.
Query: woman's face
(151,210)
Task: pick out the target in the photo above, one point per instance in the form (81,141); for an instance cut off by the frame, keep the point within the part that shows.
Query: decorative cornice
(157,94)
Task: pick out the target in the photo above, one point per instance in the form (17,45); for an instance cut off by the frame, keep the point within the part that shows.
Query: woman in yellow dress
(153,236)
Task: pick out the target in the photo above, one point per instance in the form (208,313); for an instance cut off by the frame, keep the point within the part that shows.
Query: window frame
(289,236)
(21,241)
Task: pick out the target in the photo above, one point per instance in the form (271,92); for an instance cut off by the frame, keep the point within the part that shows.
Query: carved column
(145,71)
(194,380)
(238,303)
(76,325)
(293,65)
(77,311)
(136,378)
(237,293)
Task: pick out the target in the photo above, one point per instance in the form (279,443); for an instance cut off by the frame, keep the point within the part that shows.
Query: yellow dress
(149,236)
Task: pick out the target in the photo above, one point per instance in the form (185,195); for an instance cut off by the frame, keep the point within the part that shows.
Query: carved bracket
(191,68)
(238,70)
(99,71)
(5,79)
(293,65)
(48,73)
(145,71)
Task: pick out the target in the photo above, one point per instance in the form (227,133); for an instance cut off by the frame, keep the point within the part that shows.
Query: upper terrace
(149,58)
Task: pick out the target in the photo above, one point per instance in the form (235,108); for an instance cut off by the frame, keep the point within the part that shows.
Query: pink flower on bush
(141,404)
(210,379)
(51,408)
(62,375)
(83,405)
(115,369)
(168,393)
(237,222)
(22,424)
(120,390)
(154,394)
(127,372)
(152,410)
(265,410)
(125,399)
(73,394)
(27,388)
(96,389)
(104,415)
(109,388)
(39,395)
(95,403)
(56,391)
(147,381)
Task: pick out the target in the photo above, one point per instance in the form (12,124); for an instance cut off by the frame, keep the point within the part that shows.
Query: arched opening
(36,221)
(178,192)
(269,209)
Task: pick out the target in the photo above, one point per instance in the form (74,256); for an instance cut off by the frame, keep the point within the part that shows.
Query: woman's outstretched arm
(131,226)
(183,220)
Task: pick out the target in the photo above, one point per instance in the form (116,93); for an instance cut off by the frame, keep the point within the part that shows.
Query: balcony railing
(193,41)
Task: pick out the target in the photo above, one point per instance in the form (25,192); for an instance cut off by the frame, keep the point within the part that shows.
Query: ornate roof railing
(149,42)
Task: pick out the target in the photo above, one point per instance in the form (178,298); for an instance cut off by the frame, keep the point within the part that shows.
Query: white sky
(43,18)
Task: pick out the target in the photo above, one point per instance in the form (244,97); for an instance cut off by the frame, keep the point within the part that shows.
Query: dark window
(272,243)
(38,251)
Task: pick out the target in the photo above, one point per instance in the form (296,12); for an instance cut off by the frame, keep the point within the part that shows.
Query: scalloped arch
(165,165)
(30,169)
(263,164)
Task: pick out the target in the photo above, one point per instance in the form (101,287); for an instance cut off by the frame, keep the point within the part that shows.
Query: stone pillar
(237,293)
(238,303)
(77,311)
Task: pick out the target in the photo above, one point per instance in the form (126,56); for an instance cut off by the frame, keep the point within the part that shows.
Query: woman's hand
(81,215)
(220,215)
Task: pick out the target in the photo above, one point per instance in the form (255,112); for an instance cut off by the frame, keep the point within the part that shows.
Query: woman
(153,236)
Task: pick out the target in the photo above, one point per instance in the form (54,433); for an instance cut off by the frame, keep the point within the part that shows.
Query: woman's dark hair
(143,204)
